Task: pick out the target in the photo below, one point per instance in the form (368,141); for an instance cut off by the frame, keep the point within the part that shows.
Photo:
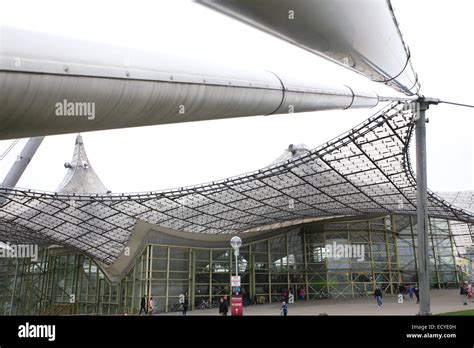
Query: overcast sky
(439,34)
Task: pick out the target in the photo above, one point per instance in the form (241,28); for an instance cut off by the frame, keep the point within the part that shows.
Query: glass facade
(383,253)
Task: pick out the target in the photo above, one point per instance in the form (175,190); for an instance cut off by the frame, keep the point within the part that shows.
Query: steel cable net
(365,171)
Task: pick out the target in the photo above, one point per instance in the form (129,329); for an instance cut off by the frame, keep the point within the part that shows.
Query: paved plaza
(442,301)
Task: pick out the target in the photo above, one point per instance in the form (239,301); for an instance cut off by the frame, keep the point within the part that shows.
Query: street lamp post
(236,243)
(236,299)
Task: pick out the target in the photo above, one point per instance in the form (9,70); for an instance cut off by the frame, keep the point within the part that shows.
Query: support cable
(7,151)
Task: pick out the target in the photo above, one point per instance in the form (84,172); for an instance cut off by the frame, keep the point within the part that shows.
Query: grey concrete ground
(441,301)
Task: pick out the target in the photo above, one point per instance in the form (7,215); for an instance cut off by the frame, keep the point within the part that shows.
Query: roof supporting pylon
(422,205)
(22,161)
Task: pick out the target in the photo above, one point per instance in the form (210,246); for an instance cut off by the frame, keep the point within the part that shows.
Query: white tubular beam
(360,35)
(56,85)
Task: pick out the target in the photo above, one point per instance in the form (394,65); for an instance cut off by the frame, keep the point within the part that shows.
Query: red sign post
(236,305)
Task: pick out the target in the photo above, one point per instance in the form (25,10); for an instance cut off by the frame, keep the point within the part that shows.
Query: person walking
(401,290)
(150,305)
(226,301)
(245,297)
(185,304)
(143,305)
(410,292)
(302,293)
(469,291)
(378,297)
(284,309)
(463,292)
(223,307)
(286,295)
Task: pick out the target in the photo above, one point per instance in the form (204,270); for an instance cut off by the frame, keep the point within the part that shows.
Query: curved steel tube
(360,35)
